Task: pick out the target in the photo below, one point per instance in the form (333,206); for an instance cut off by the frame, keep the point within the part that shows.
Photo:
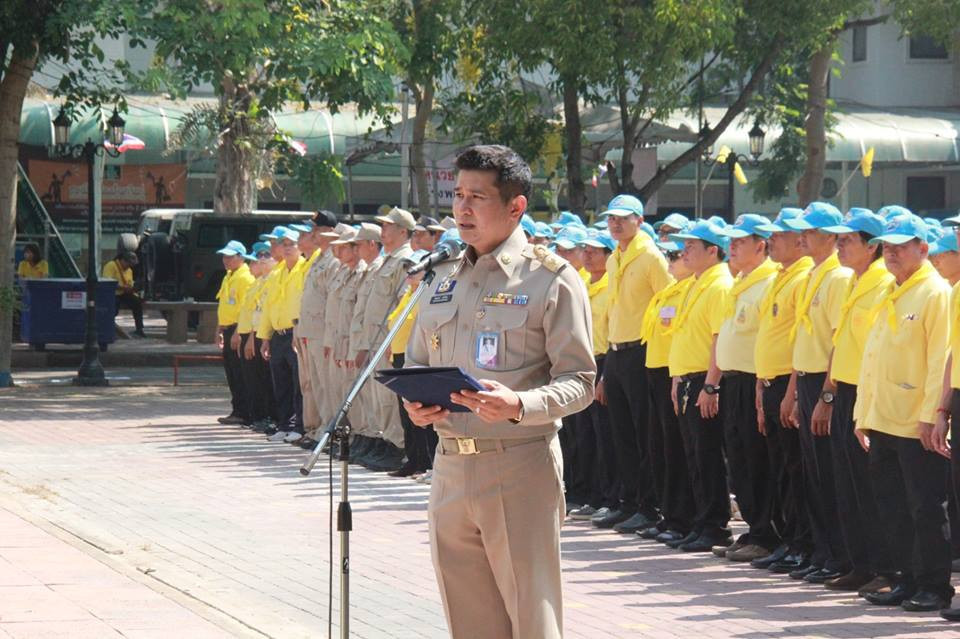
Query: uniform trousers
(582,459)
(703,445)
(821,485)
(625,381)
(332,397)
(783,447)
(954,489)
(604,488)
(495,523)
(239,396)
(676,499)
(865,543)
(256,378)
(747,457)
(311,415)
(419,444)
(909,484)
(286,384)
(315,367)
(387,413)
(134,303)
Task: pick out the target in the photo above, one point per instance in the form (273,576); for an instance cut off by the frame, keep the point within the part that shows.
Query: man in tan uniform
(310,327)
(383,288)
(517,317)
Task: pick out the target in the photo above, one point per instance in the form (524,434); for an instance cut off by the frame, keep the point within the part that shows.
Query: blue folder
(430,386)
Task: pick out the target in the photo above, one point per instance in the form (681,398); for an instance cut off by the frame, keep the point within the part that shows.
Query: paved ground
(129,511)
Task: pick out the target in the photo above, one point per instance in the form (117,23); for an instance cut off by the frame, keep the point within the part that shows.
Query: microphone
(449,249)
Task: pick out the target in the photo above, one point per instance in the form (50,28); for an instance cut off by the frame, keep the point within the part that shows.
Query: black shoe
(950,614)
(705,543)
(649,533)
(307,443)
(372,450)
(779,553)
(822,575)
(231,420)
(801,573)
(893,597)
(635,524)
(612,518)
(790,563)
(404,471)
(852,581)
(269,430)
(359,447)
(670,535)
(691,537)
(139,333)
(925,601)
(390,459)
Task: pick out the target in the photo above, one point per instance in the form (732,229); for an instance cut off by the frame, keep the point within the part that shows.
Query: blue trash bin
(53,311)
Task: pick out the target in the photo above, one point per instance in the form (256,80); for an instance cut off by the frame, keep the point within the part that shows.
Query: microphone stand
(338,430)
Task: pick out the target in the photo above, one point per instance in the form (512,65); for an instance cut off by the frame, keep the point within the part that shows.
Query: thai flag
(130,143)
(299,147)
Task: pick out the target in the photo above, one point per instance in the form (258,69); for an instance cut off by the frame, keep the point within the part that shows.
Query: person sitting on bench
(121,269)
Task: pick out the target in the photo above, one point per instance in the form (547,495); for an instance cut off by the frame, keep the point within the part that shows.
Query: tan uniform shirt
(535,307)
(364,291)
(314,300)
(344,305)
(383,288)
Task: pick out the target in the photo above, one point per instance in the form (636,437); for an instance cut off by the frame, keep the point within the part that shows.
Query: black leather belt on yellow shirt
(283,331)
(474,446)
(692,377)
(622,346)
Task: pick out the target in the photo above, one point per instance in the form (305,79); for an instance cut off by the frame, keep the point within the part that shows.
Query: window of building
(926,48)
(926,193)
(859,44)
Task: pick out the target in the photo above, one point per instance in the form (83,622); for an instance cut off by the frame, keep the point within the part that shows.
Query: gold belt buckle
(467,446)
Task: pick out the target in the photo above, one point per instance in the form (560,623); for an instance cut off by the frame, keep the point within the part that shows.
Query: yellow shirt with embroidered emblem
(233,288)
(698,321)
(251,307)
(399,344)
(599,294)
(658,319)
(284,287)
(857,315)
(828,283)
(955,336)
(26,270)
(737,338)
(636,275)
(773,355)
(901,378)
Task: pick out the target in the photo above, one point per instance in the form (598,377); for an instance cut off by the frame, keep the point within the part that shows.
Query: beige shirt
(364,290)
(383,289)
(345,303)
(535,307)
(314,300)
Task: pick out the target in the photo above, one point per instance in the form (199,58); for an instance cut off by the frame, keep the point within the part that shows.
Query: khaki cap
(348,236)
(338,231)
(448,223)
(368,232)
(400,217)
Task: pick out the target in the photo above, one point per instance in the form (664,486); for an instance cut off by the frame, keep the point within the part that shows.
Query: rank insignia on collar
(435,341)
(446,285)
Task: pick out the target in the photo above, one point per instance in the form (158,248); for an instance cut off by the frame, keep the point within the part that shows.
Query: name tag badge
(486,356)
(668,312)
(440,299)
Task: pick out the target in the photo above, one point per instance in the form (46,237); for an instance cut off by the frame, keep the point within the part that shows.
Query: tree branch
(866,22)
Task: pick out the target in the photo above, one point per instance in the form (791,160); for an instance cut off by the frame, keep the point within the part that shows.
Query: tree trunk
(576,191)
(235,189)
(628,127)
(424,96)
(13,89)
(811,182)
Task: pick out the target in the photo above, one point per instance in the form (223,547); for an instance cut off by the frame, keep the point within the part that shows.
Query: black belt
(692,377)
(283,331)
(729,374)
(622,346)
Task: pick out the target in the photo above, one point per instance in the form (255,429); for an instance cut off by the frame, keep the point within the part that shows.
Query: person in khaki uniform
(348,259)
(311,252)
(517,317)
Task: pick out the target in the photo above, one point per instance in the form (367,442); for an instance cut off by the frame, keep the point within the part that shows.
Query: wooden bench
(179,358)
(177,313)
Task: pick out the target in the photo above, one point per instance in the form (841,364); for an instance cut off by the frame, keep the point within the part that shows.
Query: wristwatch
(519,417)
(711,389)
(827,397)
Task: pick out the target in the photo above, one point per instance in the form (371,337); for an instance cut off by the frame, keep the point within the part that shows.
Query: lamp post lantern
(91,371)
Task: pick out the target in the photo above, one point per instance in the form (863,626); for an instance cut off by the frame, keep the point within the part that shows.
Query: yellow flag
(739,174)
(722,154)
(866,163)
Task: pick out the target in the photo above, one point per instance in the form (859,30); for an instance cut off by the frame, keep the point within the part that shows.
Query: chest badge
(435,341)
(446,285)
(508,299)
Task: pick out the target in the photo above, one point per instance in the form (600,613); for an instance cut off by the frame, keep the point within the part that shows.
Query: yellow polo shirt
(399,344)
(284,288)
(233,288)
(955,336)
(251,306)
(773,355)
(857,315)
(599,294)
(26,270)
(818,314)
(658,320)
(737,338)
(124,276)
(698,321)
(901,379)
(584,275)
(636,275)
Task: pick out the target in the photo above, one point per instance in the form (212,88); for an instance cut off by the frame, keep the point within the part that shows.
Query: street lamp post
(756,135)
(91,370)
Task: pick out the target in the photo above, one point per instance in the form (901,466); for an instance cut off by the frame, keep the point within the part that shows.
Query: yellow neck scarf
(595,287)
(622,260)
(699,285)
(876,275)
(890,300)
(652,315)
(766,268)
(809,290)
(785,276)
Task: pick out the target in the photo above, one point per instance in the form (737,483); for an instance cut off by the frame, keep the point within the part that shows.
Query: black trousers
(703,443)
(419,444)
(582,454)
(829,551)
(910,487)
(604,488)
(257,381)
(865,543)
(135,304)
(239,396)
(954,489)
(783,449)
(676,498)
(286,382)
(624,380)
(748,463)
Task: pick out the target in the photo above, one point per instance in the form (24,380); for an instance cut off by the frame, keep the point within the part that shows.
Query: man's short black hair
(513,176)
(877,248)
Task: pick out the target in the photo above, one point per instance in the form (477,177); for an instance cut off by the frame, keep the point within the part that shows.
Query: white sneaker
(293,436)
(278,436)
(425,477)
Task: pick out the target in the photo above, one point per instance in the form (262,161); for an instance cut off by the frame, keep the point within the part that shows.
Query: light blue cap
(859,220)
(748,224)
(946,244)
(936,229)
(450,234)
(567,218)
(677,221)
(670,247)
(600,224)
(903,228)
(571,237)
(544,230)
(705,230)
(817,215)
(272,235)
(624,205)
(305,227)
(287,233)
(528,225)
(951,221)
(601,239)
(646,228)
(779,223)
(893,210)
(256,249)
(232,248)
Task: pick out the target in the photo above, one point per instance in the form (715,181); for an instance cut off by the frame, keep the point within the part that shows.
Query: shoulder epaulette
(550,260)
